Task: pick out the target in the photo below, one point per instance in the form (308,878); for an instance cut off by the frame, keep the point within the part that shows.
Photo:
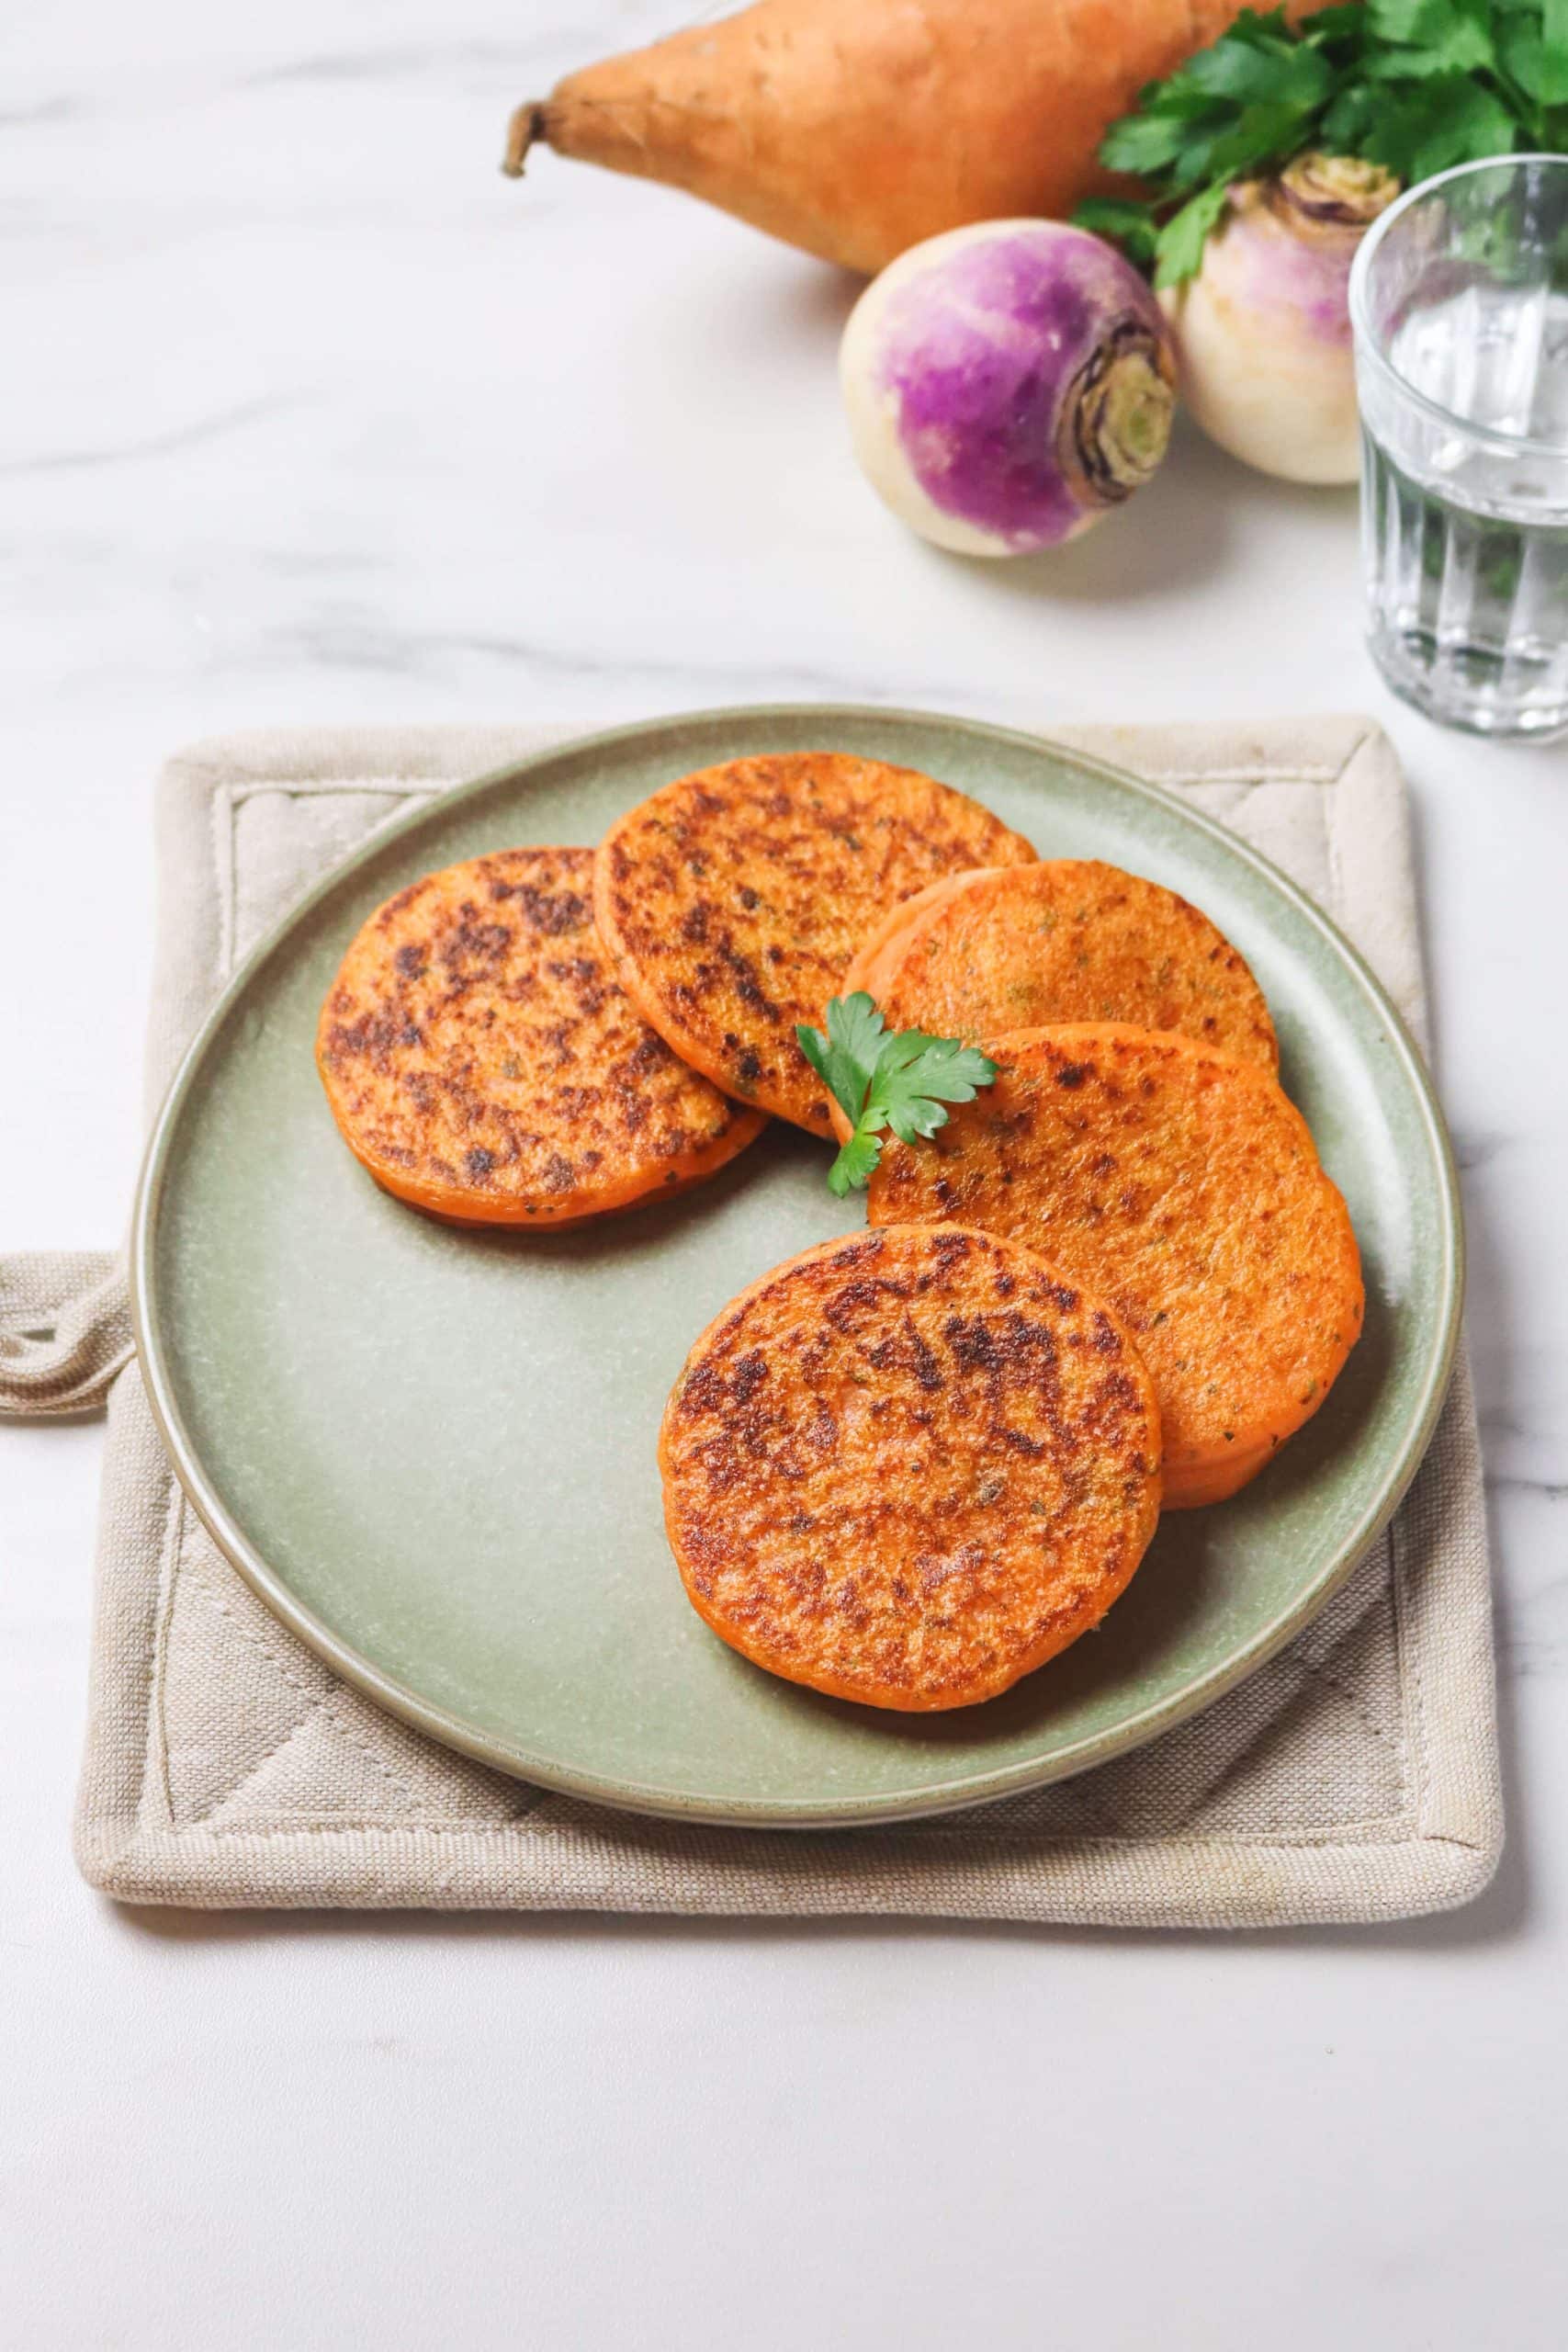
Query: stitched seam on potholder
(397,787)
(317,1703)
(1412,1697)
(1331,829)
(1303,1667)
(964,1825)
(1394,1747)
(223,876)
(321,1706)
(221,841)
(305,787)
(1251,777)
(1076,1792)
(1409,1797)
(1410,1793)
(155,1744)
(370,1825)
(1412,1786)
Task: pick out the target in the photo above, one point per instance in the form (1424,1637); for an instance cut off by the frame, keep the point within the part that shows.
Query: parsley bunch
(1416,85)
(877,1079)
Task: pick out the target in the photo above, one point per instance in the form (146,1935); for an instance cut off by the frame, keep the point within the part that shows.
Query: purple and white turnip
(1007,384)
(1263,331)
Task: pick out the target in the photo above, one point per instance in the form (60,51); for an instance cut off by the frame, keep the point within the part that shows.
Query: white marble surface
(306,413)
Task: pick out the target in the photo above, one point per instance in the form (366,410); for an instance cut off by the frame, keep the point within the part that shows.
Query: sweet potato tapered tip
(524,130)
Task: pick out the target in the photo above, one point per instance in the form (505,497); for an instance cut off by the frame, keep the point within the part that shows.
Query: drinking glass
(1459,302)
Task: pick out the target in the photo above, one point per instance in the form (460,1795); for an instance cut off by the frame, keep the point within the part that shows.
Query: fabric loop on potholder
(64,1332)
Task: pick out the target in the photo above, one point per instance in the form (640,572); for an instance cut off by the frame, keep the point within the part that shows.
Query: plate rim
(964,1790)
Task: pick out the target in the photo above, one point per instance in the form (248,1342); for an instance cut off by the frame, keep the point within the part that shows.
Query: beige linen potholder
(1353,1778)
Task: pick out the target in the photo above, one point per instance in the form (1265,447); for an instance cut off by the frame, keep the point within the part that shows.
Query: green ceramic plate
(432,1451)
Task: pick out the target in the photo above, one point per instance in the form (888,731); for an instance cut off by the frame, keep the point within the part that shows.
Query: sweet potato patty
(733,899)
(1182,1186)
(1068,939)
(909,1467)
(482,1061)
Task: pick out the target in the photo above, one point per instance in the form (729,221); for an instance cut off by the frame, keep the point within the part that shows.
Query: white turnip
(1263,331)
(1007,384)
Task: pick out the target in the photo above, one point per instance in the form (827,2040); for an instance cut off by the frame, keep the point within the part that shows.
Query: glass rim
(1366,340)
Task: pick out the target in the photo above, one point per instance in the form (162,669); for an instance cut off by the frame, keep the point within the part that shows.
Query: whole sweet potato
(855,128)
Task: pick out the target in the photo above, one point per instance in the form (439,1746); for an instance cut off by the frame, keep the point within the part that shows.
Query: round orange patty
(1183,1187)
(1067,939)
(482,1061)
(908,1467)
(733,899)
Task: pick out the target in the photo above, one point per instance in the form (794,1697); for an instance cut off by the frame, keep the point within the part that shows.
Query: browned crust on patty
(907,1467)
(1182,1186)
(483,1062)
(733,899)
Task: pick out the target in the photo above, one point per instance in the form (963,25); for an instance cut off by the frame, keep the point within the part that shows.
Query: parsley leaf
(846,1057)
(1349,122)
(1536,55)
(1347,23)
(1455,119)
(1180,244)
(1440,36)
(879,1079)
(1414,85)
(1122,222)
(1144,143)
(1274,71)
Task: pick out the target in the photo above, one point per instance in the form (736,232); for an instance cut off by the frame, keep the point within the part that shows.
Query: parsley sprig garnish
(881,1079)
(1416,85)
